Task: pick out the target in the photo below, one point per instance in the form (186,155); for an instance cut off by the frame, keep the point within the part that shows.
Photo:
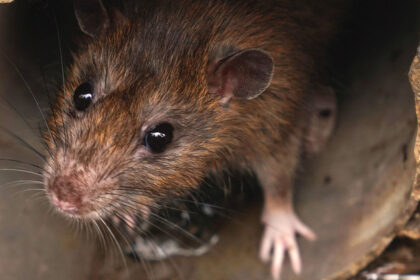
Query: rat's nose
(67,194)
(63,205)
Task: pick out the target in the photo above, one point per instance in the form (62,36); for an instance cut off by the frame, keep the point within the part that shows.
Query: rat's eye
(83,96)
(159,137)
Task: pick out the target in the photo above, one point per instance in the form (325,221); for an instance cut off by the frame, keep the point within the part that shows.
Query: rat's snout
(63,205)
(67,193)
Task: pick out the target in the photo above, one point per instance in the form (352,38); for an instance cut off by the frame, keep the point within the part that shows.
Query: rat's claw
(280,236)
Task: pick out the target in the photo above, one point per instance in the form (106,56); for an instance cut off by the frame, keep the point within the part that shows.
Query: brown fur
(153,67)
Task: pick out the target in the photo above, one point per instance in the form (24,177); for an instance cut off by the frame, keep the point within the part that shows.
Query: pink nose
(63,205)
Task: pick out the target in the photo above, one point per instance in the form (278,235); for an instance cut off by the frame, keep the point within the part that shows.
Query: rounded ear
(92,16)
(245,75)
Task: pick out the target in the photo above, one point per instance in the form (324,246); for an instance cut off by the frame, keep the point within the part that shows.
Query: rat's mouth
(64,206)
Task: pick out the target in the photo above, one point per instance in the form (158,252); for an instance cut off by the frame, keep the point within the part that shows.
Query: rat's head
(138,122)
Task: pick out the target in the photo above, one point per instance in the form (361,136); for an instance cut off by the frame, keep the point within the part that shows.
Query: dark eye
(83,96)
(159,137)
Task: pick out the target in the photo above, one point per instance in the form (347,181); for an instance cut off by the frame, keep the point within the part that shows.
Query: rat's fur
(153,65)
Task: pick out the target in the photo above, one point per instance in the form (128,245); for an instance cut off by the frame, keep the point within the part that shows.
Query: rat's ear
(92,16)
(245,75)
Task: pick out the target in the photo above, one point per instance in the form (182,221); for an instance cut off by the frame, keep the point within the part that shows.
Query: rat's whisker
(146,265)
(115,241)
(28,88)
(21,182)
(23,162)
(60,50)
(129,245)
(128,197)
(169,258)
(16,111)
(31,190)
(101,235)
(131,206)
(24,143)
(136,191)
(38,197)
(21,170)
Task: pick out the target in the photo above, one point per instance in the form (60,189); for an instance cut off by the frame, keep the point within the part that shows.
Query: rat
(166,93)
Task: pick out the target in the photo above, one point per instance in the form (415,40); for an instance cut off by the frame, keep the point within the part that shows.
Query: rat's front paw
(279,236)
